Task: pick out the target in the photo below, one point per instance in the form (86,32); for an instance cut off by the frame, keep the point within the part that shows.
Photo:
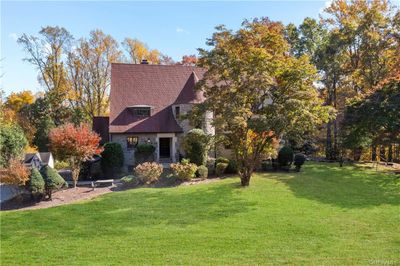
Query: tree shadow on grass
(141,209)
(346,187)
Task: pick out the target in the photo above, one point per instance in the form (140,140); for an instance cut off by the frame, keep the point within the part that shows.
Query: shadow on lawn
(347,187)
(179,207)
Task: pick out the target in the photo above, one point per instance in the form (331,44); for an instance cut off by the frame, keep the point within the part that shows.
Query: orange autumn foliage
(70,141)
(76,144)
(15,174)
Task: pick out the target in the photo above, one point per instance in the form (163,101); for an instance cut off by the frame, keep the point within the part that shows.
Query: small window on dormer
(177,111)
(141,111)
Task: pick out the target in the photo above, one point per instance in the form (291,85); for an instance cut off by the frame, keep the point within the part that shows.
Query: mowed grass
(325,215)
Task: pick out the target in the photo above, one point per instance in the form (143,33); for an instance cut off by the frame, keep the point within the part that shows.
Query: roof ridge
(153,65)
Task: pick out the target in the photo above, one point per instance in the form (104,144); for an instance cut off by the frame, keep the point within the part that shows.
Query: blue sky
(174,28)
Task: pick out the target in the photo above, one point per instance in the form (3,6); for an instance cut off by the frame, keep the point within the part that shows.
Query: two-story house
(146,102)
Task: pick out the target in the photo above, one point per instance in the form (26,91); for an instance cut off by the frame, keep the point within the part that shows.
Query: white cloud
(181,30)
(13,36)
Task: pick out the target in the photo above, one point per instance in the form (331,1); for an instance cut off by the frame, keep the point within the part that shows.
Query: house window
(177,111)
(131,142)
(141,111)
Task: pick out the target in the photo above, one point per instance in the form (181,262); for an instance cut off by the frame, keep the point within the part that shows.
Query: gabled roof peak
(194,76)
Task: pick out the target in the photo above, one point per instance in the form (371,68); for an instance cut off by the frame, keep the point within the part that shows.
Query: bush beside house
(202,171)
(220,168)
(232,167)
(129,180)
(197,144)
(144,152)
(184,170)
(112,157)
(148,172)
(222,164)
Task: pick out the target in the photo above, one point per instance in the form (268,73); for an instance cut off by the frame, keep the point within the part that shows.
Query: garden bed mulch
(61,197)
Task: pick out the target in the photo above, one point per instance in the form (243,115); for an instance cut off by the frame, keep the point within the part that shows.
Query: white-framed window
(131,142)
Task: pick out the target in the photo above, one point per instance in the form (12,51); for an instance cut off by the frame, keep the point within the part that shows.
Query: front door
(165,148)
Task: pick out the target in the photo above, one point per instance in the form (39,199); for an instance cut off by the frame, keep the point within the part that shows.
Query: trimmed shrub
(184,170)
(148,172)
(112,157)
(197,144)
(232,167)
(202,171)
(53,181)
(220,169)
(129,180)
(211,165)
(144,153)
(145,148)
(36,182)
(222,160)
(285,156)
(61,165)
(299,160)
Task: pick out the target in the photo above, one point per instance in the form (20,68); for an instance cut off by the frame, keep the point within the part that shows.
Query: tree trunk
(357,154)
(397,152)
(390,153)
(335,124)
(335,140)
(75,175)
(245,181)
(373,153)
(328,147)
(382,154)
(245,175)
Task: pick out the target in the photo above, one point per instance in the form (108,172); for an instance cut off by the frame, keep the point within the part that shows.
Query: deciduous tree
(76,144)
(374,119)
(189,60)
(16,100)
(138,51)
(46,52)
(271,93)
(89,73)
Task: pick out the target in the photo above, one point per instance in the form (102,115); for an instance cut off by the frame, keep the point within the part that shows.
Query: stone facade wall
(177,139)
(129,154)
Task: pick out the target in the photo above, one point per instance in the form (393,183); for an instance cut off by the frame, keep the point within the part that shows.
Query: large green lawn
(325,215)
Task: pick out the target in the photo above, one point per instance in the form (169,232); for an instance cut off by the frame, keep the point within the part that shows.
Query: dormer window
(141,111)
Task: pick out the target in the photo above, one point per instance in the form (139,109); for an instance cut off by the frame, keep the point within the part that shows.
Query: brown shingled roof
(158,86)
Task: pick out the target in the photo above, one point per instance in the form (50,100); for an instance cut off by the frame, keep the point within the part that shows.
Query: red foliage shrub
(76,144)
